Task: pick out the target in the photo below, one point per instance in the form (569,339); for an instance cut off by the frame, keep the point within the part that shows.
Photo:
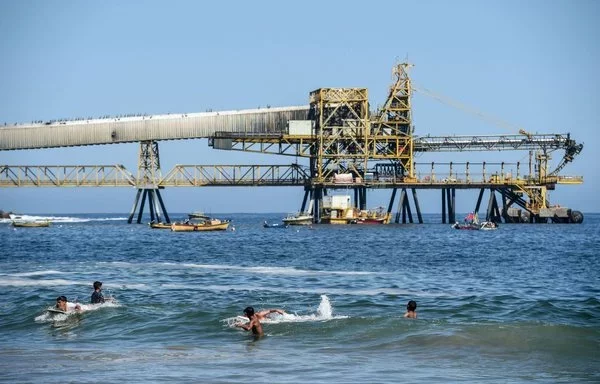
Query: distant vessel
(154,225)
(19,221)
(201,223)
(472,223)
(300,218)
(373,216)
(338,209)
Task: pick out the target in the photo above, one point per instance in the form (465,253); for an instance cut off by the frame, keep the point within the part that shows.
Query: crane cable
(571,150)
(456,104)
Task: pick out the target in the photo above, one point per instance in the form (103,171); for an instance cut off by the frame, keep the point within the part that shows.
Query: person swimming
(254,324)
(97,296)
(63,305)
(411,310)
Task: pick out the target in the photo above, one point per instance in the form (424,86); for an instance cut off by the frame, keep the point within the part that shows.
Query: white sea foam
(275,270)
(47,316)
(63,219)
(290,271)
(16,282)
(36,273)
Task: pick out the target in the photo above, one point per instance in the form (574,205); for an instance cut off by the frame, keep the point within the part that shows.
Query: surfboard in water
(54,310)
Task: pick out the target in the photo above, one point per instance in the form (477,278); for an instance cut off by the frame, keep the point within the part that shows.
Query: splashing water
(324,313)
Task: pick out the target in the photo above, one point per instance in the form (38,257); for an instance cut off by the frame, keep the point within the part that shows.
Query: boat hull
(177,227)
(31,224)
(338,220)
(379,220)
(298,220)
(160,225)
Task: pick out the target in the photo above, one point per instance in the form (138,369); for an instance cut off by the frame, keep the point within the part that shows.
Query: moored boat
(299,218)
(488,226)
(203,224)
(373,216)
(472,223)
(154,225)
(31,224)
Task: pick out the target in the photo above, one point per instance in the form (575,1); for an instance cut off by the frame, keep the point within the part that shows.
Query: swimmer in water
(254,324)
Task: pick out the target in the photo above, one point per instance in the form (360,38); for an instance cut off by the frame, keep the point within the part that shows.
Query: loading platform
(346,146)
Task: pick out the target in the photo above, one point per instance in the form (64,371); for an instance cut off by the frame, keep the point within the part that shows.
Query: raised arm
(265,312)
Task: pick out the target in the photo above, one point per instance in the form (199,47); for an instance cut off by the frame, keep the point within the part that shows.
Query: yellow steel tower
(391,128)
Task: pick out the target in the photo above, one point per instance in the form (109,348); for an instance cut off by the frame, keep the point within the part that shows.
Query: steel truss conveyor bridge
(336,132)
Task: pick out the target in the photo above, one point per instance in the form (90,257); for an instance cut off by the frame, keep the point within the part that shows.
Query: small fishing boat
(204,223)
(372,216)
(31,224)
(21,222)
(161,225)
(274,225)
(299,218)
(472,223)
(466,226)
(488,226)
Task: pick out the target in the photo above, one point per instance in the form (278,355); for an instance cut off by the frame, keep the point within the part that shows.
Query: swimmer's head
(412,305)
(97,284)
(249,311)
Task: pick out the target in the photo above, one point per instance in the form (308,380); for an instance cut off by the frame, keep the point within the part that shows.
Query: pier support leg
(479,200)
(318,195)
(450,197)
(139,218)
(391,204)
(151,205)
(453,212)
(135,205)
(305,199)
(493,212)
(417,207)
(406,207)
(443,205)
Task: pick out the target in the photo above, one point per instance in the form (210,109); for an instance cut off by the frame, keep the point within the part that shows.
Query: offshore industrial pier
(348,147)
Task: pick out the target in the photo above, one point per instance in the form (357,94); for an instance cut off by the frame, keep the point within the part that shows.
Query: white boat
(21,222)
(300,218)
(488,226)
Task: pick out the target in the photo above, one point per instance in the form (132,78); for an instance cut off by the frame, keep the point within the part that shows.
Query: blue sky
(531,63)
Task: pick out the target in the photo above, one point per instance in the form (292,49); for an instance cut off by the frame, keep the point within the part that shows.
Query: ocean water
(519,304)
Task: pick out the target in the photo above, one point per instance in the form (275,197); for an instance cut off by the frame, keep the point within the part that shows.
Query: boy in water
(63,305)
(97,296)
(411,310)
(254,323)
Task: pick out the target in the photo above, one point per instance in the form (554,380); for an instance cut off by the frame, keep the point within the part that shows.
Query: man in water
(97,296)
(411,310)
(63,305)
(254,324)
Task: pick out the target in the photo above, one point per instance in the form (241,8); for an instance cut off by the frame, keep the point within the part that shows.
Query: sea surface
(517,305)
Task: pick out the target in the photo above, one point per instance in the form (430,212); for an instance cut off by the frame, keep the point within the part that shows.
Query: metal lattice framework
(148,165)
(391,129)
(236,175)
(341,129)
(66,176)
